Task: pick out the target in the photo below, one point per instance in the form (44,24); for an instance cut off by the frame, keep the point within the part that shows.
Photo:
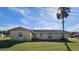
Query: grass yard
(7,45)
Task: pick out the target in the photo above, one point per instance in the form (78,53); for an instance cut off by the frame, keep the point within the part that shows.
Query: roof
(18,28)
(50,31)
(41,31)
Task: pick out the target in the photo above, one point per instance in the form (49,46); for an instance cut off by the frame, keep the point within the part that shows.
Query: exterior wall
(66,35)
(36,35)
(26,35)
(54,36)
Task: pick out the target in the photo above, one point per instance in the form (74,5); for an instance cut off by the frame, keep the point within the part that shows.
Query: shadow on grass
(52,40)
(9,43)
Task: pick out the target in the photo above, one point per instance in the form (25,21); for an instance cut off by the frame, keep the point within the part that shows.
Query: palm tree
(63,12)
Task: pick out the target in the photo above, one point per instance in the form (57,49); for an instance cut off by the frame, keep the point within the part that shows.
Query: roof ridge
(20,28)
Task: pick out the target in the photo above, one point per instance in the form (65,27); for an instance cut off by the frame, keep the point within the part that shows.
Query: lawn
(7,45)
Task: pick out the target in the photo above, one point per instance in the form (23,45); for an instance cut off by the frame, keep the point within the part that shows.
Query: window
(20,34)
(40,34)
(50,33)
(49,37)
(34,34)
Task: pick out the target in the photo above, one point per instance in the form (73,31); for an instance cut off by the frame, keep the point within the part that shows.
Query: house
(1,34)
(76,35)
(22,34)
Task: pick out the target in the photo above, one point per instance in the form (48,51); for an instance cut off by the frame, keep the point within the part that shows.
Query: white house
(2,35)
(22,34)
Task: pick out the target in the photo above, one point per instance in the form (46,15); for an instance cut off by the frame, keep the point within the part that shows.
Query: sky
(37,18)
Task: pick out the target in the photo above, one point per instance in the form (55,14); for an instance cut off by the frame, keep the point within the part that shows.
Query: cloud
(38,23)
(44,21)
(36,18)
(7,26)
(49,27)
(50,11)
(10,26)
(22,11)
(74,27)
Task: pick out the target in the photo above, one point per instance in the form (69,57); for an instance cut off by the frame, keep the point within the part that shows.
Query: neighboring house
(23,34)
(2,35)
(76,35)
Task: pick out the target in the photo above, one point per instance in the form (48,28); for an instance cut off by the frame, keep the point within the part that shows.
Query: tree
(63,12)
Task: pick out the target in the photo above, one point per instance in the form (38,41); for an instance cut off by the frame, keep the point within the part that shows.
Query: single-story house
(2,34)
(23,34)
(76,35)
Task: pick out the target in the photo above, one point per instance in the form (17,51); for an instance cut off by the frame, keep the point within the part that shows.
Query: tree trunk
(65,42)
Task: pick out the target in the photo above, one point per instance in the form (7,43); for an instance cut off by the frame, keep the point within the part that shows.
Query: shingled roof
(50,31)
(19,28)
(41,31)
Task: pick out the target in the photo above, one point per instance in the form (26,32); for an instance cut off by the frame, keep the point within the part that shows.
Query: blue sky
(37,18)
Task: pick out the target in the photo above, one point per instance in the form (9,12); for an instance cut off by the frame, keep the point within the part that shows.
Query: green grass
(7,45)
(5,38)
